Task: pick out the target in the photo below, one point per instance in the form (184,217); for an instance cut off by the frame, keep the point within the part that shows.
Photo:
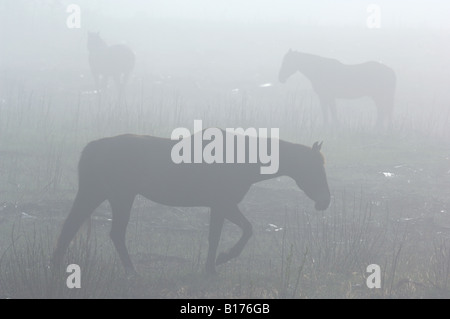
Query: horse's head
(94,41)
(312,178)
(287,67)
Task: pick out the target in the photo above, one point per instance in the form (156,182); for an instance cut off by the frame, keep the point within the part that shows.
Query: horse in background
(116,61)
(332,79)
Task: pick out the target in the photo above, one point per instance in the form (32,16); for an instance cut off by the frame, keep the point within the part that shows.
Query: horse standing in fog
(119,168)
(116,61)
(332,79)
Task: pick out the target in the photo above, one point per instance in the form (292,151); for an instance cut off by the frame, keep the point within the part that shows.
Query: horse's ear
(316,146)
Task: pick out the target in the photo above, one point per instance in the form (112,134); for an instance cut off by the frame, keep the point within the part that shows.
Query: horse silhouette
(332,79)
(116,61)
(119,168)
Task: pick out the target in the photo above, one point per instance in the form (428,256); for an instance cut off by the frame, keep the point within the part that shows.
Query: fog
(368,78)
(225,44)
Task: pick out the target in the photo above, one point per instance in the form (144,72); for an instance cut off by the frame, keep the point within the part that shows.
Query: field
(390,189)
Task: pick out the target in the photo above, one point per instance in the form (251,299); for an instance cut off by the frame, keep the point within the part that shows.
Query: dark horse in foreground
(106,61)
(119,168)
(332,79)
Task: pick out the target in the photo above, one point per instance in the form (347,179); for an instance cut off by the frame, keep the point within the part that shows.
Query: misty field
(390,189)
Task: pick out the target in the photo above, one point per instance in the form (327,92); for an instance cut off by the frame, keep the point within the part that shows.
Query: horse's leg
(121,209)
(235,216)
(215,229)
(84,205)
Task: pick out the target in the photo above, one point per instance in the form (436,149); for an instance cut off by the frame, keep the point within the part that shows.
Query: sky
(398,13)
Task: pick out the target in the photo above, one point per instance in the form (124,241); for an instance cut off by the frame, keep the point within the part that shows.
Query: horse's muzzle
(322,205)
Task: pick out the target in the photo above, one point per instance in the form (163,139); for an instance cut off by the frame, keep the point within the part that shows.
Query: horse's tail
(88,198)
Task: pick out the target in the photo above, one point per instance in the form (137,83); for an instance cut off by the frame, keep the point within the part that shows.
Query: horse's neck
(309,64)
(291,158)
(289,161)
(99,46)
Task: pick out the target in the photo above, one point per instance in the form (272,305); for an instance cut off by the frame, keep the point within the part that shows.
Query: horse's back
(143,165)
(375,68)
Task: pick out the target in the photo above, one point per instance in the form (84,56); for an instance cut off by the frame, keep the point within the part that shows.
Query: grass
(397,221)
(309,256)
(26,272)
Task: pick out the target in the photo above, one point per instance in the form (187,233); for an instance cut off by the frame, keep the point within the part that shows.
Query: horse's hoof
(222,258)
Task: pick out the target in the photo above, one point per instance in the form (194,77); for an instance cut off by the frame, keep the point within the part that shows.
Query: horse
(116,61)
(118,168)
(332,79)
